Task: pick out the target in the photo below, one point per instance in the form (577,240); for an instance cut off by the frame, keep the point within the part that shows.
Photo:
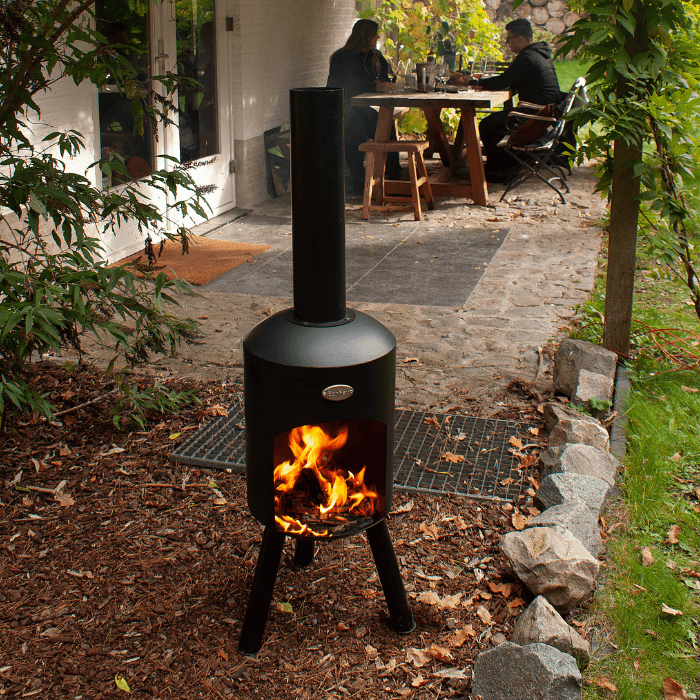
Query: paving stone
(558,488)
(542,624)
(579,459)
(532,672)
(576,355)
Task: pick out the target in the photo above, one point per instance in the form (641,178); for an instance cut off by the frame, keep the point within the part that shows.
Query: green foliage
(448,26)
(137,402)
(651,99)
(53,286)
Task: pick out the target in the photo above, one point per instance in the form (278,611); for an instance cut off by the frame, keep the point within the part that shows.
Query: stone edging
(555,554)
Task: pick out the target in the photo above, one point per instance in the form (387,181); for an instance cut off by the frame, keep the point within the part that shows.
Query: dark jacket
(353,71)
(531,75)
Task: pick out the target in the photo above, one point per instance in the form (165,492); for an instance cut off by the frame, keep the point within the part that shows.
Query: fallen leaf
(650,633)
(505,589)
(121,683)
(405,508)
(450,457)
(64,499)
(670,611)
(418,681)
(673,690)
(217,410)
(64,451)
(371,652)
(114,451)
(676,457)
(432,532)
(531,492)
(426,577)
(484,615)
(670,564)
(222,655)
(410,359)
(461,636)
(602,683)
(534,431)
(285,608)
(417,657)
(515,442)
(519,520)
(507,482)
(439,653)
(432,420)
(450,602)
(689,389)
(453,673)
(647,557)
(673,532)
(429,597)
(515,603)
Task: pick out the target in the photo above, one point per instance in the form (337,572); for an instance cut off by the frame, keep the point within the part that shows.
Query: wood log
(570,18)
(539,15)
(555,26)
(524,10)
(494,4)
(492,14)
(537,3)
(505,12)
(557,6)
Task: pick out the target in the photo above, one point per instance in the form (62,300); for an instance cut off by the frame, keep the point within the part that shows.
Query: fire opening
(330,478)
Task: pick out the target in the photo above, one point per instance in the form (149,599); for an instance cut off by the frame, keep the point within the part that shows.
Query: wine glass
(443,73)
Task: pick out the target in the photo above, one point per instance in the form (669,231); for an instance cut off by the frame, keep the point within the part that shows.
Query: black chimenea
(319,387)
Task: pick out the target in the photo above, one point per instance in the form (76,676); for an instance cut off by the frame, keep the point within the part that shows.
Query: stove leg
(304,552)
(390,578)
(261,592)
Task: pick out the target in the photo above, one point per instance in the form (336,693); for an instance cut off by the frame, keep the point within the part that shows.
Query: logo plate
(338,392)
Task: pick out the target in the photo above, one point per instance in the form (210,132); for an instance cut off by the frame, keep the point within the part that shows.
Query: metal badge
(338,392)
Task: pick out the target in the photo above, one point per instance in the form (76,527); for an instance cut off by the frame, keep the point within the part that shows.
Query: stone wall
(552,15)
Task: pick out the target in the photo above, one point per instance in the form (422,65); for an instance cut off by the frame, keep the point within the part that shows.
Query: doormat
(208,258)
(435,453)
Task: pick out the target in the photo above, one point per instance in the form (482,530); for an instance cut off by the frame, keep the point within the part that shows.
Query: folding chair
(534,140)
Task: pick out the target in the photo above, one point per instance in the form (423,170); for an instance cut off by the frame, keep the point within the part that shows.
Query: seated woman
(359,67)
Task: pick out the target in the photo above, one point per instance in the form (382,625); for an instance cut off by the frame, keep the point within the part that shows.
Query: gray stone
(592,385)
(579,431)
(553,563)
(575,355)
(554,412)
(542,624)
(532,672)
(557,488)
(576,517)
(579,459)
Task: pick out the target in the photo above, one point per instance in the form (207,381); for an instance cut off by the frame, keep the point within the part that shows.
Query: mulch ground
(125,575)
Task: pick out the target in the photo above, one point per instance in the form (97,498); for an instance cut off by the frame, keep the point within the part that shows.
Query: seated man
(532,76)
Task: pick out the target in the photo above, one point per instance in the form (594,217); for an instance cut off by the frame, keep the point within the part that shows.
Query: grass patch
(660,507)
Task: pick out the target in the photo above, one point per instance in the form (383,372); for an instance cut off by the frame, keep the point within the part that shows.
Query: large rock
(576,517)
(592,385)
(555,412)
(532,672)
(579,431)
(553,563)
(542,624)
(575,355)
(579,459)
(558,488)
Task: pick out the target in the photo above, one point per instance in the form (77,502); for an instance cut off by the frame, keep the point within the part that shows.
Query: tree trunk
(624,214)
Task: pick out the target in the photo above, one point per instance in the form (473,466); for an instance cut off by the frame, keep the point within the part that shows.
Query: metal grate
(435,453)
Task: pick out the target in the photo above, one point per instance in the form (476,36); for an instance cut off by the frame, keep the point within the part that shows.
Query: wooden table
(468,134)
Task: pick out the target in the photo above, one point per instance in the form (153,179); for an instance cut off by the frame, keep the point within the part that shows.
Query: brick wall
(277,45)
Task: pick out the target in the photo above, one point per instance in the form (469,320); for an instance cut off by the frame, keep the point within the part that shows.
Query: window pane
(196,56)
(122,26)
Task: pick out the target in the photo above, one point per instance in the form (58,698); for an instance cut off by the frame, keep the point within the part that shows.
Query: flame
(312,484)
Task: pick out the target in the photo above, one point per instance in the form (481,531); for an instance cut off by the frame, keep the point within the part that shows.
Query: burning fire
(312,495)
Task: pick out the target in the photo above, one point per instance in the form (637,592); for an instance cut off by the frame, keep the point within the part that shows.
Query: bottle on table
(411,77)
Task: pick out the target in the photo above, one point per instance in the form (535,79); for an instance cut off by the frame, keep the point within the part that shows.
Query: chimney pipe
(318,206)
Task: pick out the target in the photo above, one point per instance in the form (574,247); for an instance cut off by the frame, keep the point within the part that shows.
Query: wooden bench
(420,185)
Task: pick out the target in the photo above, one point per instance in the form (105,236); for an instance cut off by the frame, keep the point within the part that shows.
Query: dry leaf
(426,577)
(449,602)
(689,389)
(455,459)
(484,615)
(515,442)
(534,431)
(217,410)
(440,653)
(64,499)
(417,657)
(602,683)
(432,420)
(453,673)
(222,655)
(507,482)
(670,564)
(515,603)
(461,636)
(647,557)
(519,520)
(531,492)
(673,690)
(410,359)
(418,681)
(505,589)
(673,533)
(670,611)
(676,457)
(405,508)
(371,652)
(429,597)
(432,532)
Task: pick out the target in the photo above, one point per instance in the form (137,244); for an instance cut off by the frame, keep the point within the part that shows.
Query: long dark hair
(362,31)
